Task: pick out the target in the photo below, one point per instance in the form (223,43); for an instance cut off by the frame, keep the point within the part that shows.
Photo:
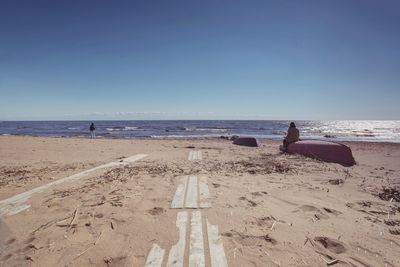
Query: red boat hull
(324,151)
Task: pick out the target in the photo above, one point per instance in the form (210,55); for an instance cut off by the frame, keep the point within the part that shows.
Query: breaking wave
(124,128)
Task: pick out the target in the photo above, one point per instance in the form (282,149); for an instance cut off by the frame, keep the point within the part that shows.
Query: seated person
(292,135)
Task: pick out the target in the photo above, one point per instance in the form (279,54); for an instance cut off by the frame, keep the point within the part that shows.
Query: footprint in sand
(30,240)
(312,211)
(250,240)
(6,257)
(394,231)
(265,221)
(116,261)
(156,211)
(369,207)
(392,222)
(29,247)
(259,194)
(216,185)
(10,241)
(249,202)
(334,246)
(332,211)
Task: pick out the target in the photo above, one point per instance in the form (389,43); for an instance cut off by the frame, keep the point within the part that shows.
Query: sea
(335,130)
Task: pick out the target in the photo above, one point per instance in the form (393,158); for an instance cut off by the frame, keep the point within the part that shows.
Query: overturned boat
(323,150)
(246,141)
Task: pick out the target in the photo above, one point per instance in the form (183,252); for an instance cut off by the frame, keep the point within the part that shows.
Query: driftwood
(272,227)
(73,219)
(331,262)
(94,244)
(327,258)
(47,225)
(308,240)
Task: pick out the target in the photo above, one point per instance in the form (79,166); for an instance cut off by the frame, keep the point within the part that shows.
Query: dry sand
(272,209)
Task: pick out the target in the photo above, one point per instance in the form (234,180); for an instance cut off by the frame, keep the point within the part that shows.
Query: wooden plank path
(192,193)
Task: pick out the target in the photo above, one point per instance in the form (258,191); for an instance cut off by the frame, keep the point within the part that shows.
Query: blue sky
(200,59)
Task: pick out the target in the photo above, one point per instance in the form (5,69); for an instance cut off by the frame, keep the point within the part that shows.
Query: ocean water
(343,130)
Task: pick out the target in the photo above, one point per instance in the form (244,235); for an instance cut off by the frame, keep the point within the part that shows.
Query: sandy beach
(271,209)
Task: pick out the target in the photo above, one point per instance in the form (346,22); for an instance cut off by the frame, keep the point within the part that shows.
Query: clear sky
(280,59)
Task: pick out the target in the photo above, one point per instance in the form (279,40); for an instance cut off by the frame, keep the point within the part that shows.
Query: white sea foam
(133,129)
(211,129)
(126,128)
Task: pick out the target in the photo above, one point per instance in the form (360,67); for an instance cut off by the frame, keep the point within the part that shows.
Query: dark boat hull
(246,141)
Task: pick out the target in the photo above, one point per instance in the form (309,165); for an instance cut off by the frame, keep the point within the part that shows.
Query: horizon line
(38,120)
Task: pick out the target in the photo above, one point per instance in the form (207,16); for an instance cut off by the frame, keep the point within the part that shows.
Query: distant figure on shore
(92,131)
(292,135)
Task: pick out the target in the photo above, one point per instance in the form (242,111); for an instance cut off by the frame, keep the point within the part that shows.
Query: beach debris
(216,185)
(50,223)
(32,246)
(336,181)
(28,258)
(258,166)
(259,194)
(334,212)
(330,262)
(107,260)
(269,239)
(364,203)
(234,252)
(249,201)
(392,222)
(347,174)
(309,240)
(73,219)
(251,240)
(99,215)
(265,252)
(94,244)
(394,231)
(265,221)
(114,192)
(227,234)
(156,211)
(272,227)
(116,201)
(390,194)
(112,225)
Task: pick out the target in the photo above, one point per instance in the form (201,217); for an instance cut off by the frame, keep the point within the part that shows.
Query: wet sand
(271,209)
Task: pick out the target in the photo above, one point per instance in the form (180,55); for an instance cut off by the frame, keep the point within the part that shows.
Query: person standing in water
(92,131)
(292,135)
